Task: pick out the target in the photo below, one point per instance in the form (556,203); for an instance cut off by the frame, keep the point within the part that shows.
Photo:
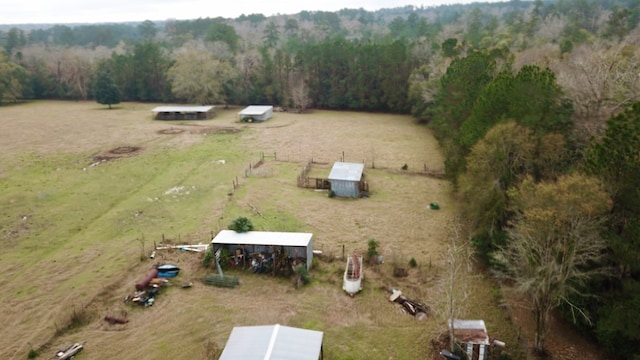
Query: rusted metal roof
(470,331)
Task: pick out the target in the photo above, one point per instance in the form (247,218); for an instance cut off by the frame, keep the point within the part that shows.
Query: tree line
(535,105)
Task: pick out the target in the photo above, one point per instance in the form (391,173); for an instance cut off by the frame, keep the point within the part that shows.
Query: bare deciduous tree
(601,80)
(458,262)
(200,72)
(299,93)
(554,244)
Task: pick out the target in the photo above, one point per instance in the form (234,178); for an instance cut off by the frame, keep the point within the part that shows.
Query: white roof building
(295,244)
(256,113)
(273,342)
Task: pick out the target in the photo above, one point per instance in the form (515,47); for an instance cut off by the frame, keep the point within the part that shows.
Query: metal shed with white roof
(294,244)
(347,179)
(256,113)
(273,342)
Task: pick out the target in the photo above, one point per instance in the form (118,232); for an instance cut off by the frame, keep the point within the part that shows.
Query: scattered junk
(144,282)
(449,355)
(168,271)
(417,309)
(69,352)
(184,247)
(147,288)
(220,279)
(353,275)
(116,319)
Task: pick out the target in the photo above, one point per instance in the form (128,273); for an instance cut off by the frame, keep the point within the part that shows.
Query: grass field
(80,215)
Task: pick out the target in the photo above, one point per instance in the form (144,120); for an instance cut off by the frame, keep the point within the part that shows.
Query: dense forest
(535,104)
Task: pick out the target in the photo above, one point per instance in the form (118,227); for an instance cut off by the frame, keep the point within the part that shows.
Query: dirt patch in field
(116,153)
(200,130)
(215,130)
(171,131)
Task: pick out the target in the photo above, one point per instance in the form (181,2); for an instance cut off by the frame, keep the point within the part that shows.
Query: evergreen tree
(106,90)
(616,160)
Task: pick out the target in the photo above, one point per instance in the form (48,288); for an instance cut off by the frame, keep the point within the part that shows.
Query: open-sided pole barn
(183,112)
(292,244)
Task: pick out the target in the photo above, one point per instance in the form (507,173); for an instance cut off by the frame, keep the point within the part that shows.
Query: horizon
(97,12)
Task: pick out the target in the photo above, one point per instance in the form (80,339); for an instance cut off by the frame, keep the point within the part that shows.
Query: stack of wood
(417,309)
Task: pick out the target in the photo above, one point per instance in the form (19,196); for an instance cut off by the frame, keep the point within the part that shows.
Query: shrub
(241,224)
(413,262)
(331,193)
(405,167)
(208,258)
(303,277)
(372,251)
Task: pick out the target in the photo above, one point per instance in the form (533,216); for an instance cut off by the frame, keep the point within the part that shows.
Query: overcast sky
(96,11)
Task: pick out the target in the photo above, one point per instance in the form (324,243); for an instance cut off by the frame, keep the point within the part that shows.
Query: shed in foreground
(271,342)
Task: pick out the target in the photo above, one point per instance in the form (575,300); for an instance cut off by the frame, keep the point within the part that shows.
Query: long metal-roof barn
(347,179)
(183,112)
(293,244)
(256,113)
(273,342)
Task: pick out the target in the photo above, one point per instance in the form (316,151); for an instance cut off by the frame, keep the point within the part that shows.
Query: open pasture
(86,192)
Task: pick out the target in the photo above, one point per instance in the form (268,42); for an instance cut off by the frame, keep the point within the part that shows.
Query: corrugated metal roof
(470,331)
(263,238)
(272,342)
(346,171)
(255,110)
(183,108)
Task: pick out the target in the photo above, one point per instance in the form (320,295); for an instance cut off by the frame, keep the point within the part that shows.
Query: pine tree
(106,90)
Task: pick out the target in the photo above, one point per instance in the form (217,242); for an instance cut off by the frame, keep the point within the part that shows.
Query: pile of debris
(147,289)
(417,309)
(68,352)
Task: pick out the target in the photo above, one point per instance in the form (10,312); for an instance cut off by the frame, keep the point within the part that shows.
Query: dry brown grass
(184,323)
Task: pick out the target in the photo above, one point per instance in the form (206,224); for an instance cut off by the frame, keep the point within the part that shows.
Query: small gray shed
(184,112)
(347,179)
(256,113)
(293,244)
(273,342)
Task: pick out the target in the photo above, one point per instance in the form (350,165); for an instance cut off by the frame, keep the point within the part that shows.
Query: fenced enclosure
(304,181)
